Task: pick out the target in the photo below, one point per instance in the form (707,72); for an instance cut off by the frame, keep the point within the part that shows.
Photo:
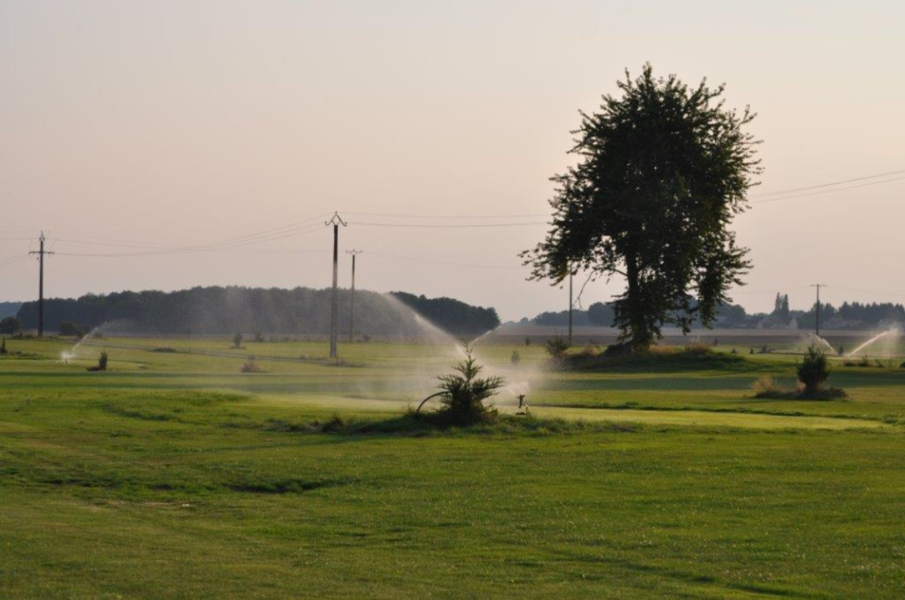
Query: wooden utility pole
(818,286)
(354,253)
(41,254)
(336,221)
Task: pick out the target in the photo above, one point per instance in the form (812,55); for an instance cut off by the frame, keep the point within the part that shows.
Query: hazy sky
(145,124)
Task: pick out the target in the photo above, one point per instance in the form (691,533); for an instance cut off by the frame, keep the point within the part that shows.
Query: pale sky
(185,123)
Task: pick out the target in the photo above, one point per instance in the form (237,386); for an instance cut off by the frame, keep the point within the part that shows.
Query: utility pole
(336,221)
(354,253)
(41,254)
(818,286)
(571,304)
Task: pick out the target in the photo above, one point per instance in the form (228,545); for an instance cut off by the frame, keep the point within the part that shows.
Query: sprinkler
(522,405)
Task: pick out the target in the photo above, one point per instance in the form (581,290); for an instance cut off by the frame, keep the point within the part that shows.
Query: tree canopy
(663,169)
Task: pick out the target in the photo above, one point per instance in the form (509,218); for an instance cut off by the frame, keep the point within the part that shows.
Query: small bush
(101,363)
(259,338)
(237,341)
(767,387)
(814,370)
(463,394)
(3,346)
(251,366)
(527,341)
(557,347)
(860,362)
(10,325)
(516,358)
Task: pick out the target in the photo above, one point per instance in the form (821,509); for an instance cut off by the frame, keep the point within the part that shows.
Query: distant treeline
(219,310)
(597,314)
(450,315)
(9,309)
(849,315)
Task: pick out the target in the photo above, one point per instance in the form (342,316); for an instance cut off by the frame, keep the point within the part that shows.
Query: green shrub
(814,370)
(10,325)
(516,358)
(860,362)
(237,340)
(101,363)
(557,347)
(463,394)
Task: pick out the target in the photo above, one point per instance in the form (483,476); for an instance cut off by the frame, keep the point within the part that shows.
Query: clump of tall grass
(767,387)
(251,366)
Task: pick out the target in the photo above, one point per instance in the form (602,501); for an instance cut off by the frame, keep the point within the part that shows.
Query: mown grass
(177,476)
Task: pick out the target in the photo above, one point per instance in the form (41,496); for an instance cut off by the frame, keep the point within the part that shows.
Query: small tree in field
(662,171)
(557,347)
(463,393)
(237,340)
(814,370)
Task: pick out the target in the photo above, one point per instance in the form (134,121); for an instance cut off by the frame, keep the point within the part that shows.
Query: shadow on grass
(411,425)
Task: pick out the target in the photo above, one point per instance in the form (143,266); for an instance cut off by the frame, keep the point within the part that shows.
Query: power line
(217,246)
(825,185)
(441,262)
(816,193)
(409,216)
(458,226)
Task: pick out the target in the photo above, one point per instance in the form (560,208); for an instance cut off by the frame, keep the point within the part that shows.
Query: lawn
(176,476)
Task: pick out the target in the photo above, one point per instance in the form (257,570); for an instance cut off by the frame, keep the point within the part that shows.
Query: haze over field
(171,123)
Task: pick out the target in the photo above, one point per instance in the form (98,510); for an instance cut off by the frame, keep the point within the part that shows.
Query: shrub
(516,358)
(259,338)
(3,346)
(767,387)
(237,341)
(251,366)
(101,363)
(463,393)
(557,347)
(860,362)
(527,340)
(10,325)
(814,370)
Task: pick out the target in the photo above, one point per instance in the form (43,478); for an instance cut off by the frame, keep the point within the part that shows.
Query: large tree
(663,169)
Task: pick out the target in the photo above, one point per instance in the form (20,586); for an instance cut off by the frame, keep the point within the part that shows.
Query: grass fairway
(176,476)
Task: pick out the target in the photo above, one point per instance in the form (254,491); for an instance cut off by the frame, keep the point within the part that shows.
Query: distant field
(175,475)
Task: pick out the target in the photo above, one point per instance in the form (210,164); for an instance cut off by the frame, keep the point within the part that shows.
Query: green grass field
(174,475)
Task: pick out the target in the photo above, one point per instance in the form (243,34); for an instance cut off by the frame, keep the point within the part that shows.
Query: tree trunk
(641,337)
